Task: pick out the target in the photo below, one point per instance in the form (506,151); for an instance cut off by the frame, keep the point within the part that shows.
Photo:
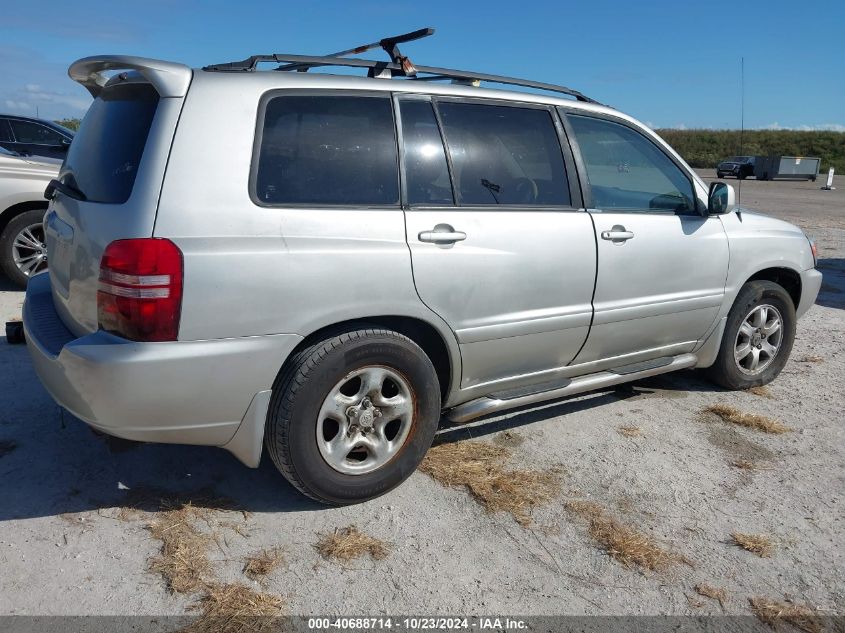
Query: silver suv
(324,265)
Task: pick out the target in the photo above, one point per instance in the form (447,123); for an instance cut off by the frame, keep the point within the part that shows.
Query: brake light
(140,289)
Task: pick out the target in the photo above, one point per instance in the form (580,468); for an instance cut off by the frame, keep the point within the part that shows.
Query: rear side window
(504,155)
(103,159)
(328,150)
(627,172)
(34,133)
(426,170)
(5,134)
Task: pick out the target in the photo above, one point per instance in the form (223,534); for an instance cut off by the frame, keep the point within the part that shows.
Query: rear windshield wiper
(68,190)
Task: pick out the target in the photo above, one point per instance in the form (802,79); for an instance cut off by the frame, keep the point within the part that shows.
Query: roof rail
(399,66)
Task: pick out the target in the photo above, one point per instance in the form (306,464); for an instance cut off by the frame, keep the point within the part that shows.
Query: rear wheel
(352,416)
(758,337)
(23,252)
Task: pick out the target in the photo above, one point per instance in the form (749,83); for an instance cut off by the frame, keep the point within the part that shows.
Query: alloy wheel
(365,420)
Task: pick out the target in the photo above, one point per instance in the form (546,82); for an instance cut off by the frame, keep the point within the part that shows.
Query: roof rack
(398,66)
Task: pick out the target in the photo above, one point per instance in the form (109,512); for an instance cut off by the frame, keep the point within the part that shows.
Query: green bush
(706,148)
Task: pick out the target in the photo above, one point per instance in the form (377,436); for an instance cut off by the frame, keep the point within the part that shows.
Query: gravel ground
(67,548)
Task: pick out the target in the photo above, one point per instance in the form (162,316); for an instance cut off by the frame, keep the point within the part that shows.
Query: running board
(589,382)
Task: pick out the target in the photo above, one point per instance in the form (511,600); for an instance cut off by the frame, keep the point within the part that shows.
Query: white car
(22,207)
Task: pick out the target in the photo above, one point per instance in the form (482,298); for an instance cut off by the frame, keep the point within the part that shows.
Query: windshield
(739,159)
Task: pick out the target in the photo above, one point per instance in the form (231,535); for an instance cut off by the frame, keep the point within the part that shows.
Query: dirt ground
(75,508)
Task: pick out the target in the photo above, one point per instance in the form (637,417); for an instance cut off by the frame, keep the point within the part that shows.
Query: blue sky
(669,63)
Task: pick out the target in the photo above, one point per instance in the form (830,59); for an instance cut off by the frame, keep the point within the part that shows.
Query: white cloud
(19,106)
(34,94)
(31,84)
(823,127)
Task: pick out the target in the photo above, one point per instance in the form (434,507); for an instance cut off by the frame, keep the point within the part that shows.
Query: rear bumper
(186,392)
(811,283)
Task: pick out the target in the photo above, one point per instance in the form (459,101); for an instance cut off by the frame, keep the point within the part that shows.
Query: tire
(727,370)
(719,174)
(27,220)
(297,438)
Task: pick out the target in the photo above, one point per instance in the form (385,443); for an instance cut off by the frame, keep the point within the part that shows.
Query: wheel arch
(786,278)
(15,210)
(432,340)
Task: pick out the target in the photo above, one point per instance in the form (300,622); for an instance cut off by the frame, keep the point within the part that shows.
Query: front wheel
(352,416)
(758,337)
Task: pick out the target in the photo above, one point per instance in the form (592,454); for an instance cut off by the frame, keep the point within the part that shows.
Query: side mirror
(721,198)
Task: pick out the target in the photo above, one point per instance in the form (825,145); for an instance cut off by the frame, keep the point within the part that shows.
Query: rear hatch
(112,174)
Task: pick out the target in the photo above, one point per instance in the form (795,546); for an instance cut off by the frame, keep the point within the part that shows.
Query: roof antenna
(741,122)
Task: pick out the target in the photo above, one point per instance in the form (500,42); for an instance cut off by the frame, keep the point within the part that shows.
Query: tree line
(705,148)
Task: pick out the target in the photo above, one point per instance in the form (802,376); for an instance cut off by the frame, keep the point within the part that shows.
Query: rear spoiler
(169,79)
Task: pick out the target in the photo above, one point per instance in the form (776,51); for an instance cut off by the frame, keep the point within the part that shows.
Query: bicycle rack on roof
(398,66)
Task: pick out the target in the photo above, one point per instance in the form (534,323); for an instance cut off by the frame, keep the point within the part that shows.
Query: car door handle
(617,234)
(442,234)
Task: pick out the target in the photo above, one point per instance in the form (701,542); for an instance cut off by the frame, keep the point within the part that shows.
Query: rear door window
(103,159)
(34,133)
(327,150)
(504,155)
(426,170)
(5,133)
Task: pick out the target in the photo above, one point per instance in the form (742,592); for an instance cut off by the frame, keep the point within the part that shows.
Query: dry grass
(6,447)
(630,431)
(141,501)
(511,439)
(349,543)
(237,528)
(759,544)
(624,543)
(761,391)
(715,593)
(478,466)
(74,518)
(749,420)
(183,560)
(235,608)
(744,464)
(773,612)
(264,563)
(811,359)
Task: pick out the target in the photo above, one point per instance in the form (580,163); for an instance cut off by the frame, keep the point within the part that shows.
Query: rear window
(327,150)
(103,159)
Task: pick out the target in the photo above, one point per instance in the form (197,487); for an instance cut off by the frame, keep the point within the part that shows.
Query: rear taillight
(140,291)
